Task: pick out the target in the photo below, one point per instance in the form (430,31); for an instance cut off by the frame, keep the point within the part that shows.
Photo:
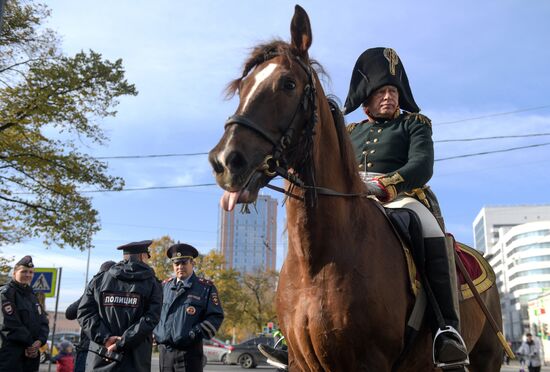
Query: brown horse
(343,297)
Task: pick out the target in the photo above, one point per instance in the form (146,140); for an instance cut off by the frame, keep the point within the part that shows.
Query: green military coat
(400,148)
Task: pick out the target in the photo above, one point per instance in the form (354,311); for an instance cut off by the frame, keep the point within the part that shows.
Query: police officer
(191,311)
(394,149)
(118,312)
(23,322)
(71,314)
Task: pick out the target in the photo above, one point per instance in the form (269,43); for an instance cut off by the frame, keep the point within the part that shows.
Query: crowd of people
(123,308)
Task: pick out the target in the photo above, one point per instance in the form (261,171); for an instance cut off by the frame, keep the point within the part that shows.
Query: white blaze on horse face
(258,80)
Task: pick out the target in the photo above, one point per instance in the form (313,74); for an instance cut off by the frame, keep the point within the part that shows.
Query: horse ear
(300,29)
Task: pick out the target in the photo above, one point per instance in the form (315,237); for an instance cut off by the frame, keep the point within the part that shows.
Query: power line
(493,115)
(150,156)
(213,184)
(492,152)
(494,137)
(205,153)
(152,188)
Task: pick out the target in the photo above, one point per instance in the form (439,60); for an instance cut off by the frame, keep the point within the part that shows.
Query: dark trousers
(173,360)
(80,361)
(13,359)
(534,369)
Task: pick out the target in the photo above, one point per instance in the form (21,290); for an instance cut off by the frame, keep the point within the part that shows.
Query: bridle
(275,164)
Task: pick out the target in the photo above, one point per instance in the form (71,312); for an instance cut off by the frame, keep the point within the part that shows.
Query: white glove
(374,187)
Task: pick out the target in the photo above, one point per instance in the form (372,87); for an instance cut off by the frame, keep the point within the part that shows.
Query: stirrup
(277,364)
(452,365)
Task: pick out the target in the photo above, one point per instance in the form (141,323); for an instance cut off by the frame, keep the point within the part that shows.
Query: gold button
(372,151)
(364,153)
(368,142)
(371,130)
(369,165)
(375,140)
(361,166)
(379,130)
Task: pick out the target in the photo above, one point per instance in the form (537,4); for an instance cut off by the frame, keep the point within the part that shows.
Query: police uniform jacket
(124,301)
(400,148)
(189,313)
(22,321)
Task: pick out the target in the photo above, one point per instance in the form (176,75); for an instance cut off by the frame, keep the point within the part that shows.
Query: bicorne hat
(375,68)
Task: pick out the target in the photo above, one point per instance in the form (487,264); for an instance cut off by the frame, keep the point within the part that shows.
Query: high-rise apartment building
(248,241)
(521,260)
(493,221)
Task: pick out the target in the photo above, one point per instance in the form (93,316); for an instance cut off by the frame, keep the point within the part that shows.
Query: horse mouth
(247,194)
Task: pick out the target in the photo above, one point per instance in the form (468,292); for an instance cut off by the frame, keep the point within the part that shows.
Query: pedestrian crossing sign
(44,281)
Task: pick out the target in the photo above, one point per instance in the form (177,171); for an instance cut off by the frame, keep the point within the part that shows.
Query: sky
(477,69)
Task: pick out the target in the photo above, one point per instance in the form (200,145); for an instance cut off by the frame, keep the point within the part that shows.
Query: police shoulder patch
(414,116)
(205,282)
(7,308)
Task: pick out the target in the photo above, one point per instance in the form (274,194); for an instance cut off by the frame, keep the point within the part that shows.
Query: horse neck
(314,230)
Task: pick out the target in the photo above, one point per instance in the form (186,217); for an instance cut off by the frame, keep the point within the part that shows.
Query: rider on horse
(395,152)
(394,149)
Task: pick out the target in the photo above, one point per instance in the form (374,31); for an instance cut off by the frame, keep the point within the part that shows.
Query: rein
(275,163)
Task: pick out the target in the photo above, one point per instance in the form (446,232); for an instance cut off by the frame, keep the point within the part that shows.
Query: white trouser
(430,227)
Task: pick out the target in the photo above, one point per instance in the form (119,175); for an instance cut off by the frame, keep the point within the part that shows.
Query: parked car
(247,355)
(73,337)
(215,350)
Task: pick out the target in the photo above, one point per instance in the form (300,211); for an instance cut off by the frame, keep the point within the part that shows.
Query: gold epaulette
(419,117)
(205,281)
(351,127)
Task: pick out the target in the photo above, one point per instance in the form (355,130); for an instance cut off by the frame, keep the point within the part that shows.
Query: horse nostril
(216,165)
(235,161)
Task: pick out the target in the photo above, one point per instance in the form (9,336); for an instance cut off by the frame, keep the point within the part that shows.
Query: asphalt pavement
(215,367)
(210,367)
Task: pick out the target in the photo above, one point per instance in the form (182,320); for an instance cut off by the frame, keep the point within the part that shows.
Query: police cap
(25,261)
(181,251)
(136,247)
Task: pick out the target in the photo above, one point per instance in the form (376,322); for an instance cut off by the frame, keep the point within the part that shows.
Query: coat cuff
(389,182)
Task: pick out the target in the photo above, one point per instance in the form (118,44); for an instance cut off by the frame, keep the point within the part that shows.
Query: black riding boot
(280,356)
(449,348)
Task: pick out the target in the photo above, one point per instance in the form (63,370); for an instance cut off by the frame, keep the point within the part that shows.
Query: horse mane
(349,163)
(264,52)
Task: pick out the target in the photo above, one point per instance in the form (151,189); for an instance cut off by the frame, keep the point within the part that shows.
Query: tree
(159,261)
(259,304)
(49,103)
(5,267)
(213,267)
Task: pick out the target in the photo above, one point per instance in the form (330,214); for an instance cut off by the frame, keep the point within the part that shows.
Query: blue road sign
(44,281)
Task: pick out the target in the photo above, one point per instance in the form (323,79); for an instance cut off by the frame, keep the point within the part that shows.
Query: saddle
(408,227)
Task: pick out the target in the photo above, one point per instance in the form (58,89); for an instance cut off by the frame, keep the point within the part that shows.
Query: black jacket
(189,314)
(22,321)
(124,301)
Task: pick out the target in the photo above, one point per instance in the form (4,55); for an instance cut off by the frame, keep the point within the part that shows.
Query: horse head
(276,105)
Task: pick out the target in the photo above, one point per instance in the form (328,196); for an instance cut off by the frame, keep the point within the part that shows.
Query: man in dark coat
(191,312)
(23,321)
(119,311)
(71,314)
(394,148)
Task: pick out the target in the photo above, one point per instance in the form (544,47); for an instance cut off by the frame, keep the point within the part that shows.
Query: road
(211,367)
(215,367)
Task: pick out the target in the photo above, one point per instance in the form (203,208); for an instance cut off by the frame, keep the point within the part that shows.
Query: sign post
(48,282)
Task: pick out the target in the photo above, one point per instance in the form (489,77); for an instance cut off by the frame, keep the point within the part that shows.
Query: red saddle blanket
(478,268)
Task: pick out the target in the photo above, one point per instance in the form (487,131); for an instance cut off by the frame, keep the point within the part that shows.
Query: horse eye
(289,85)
